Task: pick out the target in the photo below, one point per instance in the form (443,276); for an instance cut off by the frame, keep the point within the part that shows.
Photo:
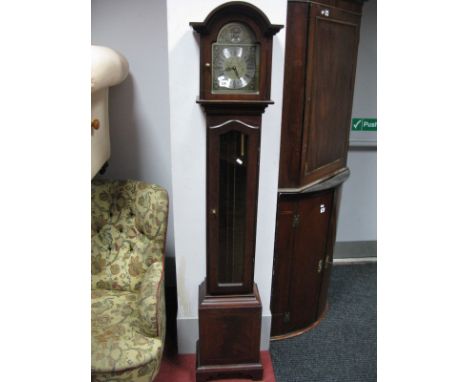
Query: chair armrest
(151,302)
(108,68)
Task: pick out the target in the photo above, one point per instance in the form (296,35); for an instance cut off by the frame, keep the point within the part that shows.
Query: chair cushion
(128,230)
(117,341)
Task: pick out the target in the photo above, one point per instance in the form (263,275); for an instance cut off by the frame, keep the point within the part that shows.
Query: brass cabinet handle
(95,124)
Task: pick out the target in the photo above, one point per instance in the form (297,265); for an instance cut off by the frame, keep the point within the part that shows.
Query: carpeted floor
(343,347)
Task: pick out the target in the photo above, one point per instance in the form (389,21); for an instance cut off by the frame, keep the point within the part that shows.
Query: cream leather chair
(108,68)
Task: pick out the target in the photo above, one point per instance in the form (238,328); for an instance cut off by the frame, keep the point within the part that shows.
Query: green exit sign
(364,124)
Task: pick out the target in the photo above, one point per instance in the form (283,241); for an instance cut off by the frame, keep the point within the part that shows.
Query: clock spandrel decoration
(235,76)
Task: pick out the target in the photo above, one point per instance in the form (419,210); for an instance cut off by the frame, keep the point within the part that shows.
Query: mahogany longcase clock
(235,75)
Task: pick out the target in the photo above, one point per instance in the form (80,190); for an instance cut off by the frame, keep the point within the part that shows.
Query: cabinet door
(293,94)
(328,261)
(284,249)
(331,67)
(309,253)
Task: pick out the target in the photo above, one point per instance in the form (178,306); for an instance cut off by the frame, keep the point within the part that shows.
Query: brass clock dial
(235,58)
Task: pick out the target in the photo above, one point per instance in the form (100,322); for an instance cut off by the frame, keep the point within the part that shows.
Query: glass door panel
(232,206)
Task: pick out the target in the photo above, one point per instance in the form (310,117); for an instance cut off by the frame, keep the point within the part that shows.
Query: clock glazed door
(232,166)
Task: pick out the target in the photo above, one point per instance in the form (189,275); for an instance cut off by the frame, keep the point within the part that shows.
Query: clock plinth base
(215,372)
(229,344)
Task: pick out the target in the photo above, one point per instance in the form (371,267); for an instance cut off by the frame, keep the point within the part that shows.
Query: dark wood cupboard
(320,65)
(304,243)
(322,40)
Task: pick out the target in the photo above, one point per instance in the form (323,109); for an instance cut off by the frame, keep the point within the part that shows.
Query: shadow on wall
(123,133)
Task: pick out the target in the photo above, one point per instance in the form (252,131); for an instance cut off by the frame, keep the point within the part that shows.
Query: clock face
(235,61)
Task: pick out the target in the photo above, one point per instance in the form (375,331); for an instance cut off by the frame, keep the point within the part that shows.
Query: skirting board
(355,260)
(355,249)
(187,333)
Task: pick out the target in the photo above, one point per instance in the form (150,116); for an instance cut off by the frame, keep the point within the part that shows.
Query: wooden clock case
(230,312)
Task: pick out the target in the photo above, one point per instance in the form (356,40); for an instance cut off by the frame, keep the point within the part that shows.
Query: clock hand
(235,70)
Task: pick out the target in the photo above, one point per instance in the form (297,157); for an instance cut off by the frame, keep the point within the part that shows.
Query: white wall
(139,107)
(358,211)
(188,143)
(358,215)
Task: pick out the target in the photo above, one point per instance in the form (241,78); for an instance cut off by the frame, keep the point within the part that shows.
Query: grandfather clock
(235,75)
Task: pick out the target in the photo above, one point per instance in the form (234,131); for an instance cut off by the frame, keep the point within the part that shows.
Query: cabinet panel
(293,94)
(300,246)
(329,90)
(309,253)
(328,261)
(284,249)
(238,327)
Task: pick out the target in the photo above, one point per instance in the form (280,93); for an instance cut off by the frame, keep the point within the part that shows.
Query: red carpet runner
(181,368)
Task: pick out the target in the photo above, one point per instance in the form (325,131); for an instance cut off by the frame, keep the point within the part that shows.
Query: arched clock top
(236,33)
(240,9)
(235,53)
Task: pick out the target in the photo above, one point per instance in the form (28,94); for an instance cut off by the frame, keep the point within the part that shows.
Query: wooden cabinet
(305,237)
(303,252)
(320,66)
(320,63)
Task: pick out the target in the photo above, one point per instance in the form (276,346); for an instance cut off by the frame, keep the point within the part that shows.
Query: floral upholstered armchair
(128,234)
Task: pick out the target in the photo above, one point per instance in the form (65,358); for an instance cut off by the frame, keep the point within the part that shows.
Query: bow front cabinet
(322,40)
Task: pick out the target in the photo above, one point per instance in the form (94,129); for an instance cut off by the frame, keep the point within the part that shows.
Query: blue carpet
(343,347)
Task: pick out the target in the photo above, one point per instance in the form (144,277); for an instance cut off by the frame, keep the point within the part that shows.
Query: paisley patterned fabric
(128,233)
(142,374)
(118,343)
(148,303)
